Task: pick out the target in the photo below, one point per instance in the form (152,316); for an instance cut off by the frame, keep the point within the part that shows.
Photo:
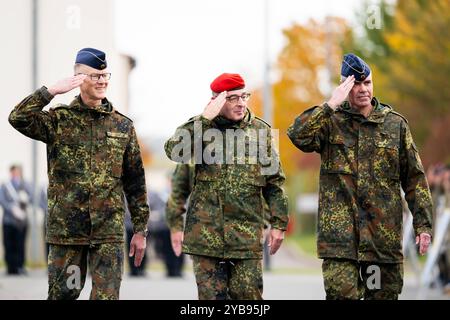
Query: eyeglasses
(235,98)
(97,76)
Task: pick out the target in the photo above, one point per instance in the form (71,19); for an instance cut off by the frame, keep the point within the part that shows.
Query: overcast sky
(181,46)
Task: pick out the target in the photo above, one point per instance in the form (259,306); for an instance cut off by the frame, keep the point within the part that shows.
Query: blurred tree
(305,67)
(411,69)
(257,103)
(368,39)
(147,155)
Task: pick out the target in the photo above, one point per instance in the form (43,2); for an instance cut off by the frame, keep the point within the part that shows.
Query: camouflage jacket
(93,157)
(225,216)
(364,162)
(182,183)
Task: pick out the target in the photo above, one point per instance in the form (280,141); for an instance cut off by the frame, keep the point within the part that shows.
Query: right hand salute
(67,84)
(341,92)
(213,108)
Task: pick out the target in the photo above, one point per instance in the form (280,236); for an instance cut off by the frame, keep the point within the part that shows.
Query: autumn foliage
(410,58)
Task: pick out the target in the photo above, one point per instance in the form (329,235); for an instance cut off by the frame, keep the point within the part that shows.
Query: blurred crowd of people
(16,201)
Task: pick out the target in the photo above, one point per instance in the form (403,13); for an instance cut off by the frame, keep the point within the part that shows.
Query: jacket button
(366,204)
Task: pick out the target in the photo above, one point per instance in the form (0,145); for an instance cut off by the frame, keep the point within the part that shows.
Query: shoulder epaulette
(312,108)
(395,112)
(194,118)
(264,121)
(122,115)
(60,106)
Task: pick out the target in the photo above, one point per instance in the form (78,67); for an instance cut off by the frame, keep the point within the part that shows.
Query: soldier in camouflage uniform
(225,217)
(93,158)
(367,154)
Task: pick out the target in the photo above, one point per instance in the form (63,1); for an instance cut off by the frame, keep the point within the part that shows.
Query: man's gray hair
(76,67)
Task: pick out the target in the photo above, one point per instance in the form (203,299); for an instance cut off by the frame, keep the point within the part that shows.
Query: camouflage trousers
(67,268)
(349,279)
(219,279)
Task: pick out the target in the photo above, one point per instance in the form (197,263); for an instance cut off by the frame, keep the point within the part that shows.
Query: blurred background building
(63,28)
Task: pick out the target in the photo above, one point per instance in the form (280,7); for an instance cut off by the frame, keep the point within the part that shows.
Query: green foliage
(409,56)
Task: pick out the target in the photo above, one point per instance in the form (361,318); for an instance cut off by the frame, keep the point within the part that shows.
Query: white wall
(15,81)
(65,26)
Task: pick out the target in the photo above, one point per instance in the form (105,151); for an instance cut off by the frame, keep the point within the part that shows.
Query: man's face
(16,173)
(235,107)
(361,94)
(93,89)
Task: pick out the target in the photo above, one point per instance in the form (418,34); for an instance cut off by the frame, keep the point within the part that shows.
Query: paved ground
(293,276)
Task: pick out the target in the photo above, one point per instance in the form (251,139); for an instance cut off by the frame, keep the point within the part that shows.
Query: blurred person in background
(16,200)
(438,176)
(181,184)
(160,234)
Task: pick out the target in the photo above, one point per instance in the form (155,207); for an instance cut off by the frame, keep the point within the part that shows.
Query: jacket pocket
(205,172)
(116,145)
(386,162)
(71,156)
(341,154)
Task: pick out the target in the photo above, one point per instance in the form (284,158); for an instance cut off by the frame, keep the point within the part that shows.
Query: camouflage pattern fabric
(182,183)
(348,279)
(364,162)
(93,157)
(236,279)
(225,217)
(105,265)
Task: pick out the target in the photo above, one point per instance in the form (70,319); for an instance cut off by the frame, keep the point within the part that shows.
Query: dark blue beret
(92,57)
(354,65)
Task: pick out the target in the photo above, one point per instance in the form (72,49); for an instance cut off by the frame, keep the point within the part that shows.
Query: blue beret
(354,65)
(92,57)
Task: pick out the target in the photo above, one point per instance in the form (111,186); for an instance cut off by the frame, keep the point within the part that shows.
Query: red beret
(227,82)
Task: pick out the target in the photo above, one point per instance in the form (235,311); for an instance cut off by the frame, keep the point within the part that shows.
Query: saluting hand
(67,84)
(213,108)
(341,92)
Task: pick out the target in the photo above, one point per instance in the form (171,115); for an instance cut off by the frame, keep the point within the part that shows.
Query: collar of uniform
(105,107)
(225,123)
(379,112)
(377,115)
